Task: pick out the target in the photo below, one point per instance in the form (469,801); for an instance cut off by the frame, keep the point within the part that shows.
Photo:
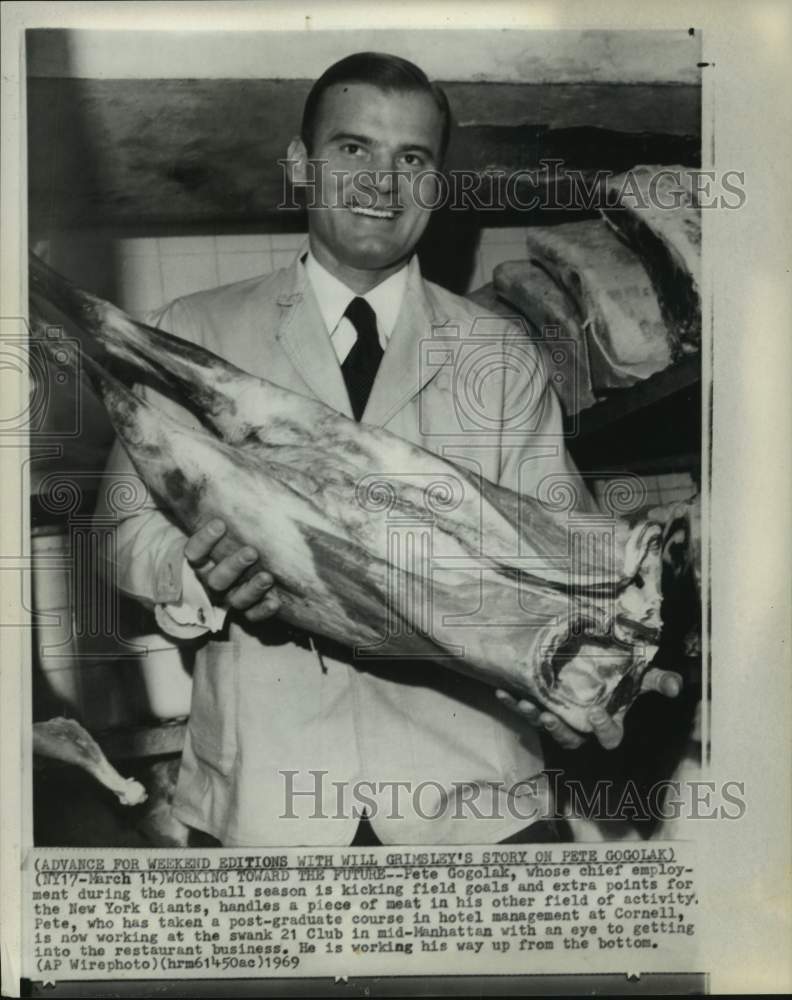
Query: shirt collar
(333,296)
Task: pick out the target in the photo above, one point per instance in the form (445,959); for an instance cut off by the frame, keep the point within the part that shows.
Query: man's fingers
(665,682)
(247,594)
(265,608)
(557,728)
(608,730)
(525,708)
(228,570)
(254,596)
(563,734)
(200,545)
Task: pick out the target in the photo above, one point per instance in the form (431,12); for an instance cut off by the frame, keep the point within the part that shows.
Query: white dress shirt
(195,614)
(333,297)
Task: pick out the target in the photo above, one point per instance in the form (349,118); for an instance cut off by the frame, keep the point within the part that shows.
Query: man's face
(374,143)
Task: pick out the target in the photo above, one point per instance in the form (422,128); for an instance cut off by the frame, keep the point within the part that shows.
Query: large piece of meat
(605,287)
(488,582)
(654,210)
(553,323)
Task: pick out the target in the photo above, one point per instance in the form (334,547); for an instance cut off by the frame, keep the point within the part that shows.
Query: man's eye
(413,160)
(352,149)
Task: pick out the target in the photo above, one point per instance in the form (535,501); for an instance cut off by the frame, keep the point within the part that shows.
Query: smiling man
(290,740)
(368,151)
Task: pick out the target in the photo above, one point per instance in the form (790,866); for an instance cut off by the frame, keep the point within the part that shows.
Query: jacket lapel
(403,371)
(303,337)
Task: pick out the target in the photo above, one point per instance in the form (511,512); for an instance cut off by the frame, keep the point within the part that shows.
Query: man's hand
(607,729)
(220,572)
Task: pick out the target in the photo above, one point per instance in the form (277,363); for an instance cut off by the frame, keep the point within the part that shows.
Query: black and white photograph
(368,473)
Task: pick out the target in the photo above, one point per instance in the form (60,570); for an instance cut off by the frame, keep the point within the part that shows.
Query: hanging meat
(611,297)
(504,587)
(556,324)
(654,210)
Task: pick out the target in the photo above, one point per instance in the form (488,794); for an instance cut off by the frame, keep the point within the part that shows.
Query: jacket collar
(303,336)
(403,371)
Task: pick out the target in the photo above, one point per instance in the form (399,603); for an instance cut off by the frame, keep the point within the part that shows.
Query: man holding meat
(287,736)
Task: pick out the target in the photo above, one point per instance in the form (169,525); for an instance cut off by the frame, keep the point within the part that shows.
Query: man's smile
(373,213)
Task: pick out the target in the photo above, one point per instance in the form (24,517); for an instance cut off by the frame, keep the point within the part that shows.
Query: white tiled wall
(177,265)
(151,271)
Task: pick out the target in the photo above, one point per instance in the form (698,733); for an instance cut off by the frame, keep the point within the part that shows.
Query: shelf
(652,427)
(625,402)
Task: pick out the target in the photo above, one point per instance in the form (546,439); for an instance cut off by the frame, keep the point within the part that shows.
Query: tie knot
(364,319)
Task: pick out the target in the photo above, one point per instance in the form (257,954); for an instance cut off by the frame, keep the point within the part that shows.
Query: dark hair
(381,70)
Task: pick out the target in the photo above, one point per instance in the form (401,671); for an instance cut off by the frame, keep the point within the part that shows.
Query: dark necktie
(361,364)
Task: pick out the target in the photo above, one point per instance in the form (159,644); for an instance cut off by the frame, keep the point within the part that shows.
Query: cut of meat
(66,740)
(654,210)
(613,299)
(554,323)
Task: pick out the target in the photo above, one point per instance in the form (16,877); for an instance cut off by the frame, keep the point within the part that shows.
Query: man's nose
(385,180)
(385,176)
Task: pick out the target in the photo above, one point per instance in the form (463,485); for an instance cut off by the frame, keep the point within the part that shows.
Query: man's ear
(297,158)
